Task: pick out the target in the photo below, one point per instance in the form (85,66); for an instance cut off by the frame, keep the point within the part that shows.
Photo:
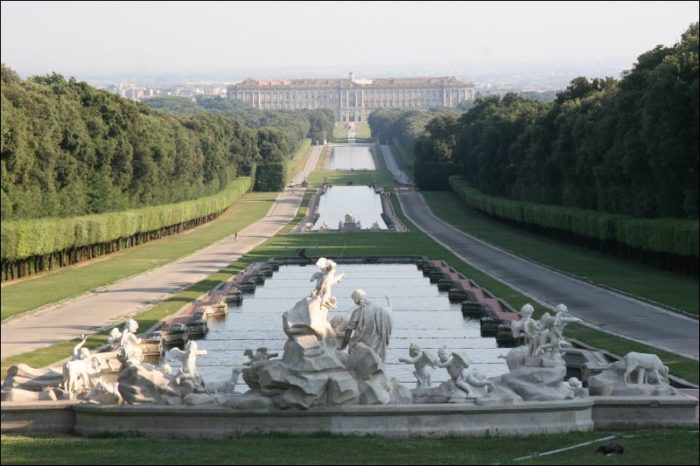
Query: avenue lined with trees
(610,163)
(86,173)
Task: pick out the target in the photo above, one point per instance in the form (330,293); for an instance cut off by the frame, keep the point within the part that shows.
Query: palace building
(352,99)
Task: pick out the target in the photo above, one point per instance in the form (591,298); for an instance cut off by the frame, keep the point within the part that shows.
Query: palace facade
(351,99)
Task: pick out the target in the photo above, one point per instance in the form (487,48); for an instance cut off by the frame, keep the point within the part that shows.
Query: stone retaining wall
(388,420)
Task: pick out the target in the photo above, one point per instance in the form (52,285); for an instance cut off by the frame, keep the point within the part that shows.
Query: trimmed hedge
(22,239)
(670,236)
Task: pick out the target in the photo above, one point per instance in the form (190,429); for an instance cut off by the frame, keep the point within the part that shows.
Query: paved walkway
(599,307)
(399,175)
(94,311)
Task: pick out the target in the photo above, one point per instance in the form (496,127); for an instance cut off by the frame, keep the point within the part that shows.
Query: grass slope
(298,160)
(342,177)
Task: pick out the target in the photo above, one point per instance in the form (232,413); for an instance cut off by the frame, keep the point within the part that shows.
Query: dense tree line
(39,244)
(627,146)
(81,166)
(401,128)
(69,149)
(280,133)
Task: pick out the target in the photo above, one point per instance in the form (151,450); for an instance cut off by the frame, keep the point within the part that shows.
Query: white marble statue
(550,341)
(82,372)
(138,384)
(127,339)
(461,377)
(421,360)
(645,365)
(526,327)
(325,279)
(636,374)
(368,323)
(312,371)
(226,387)
(537,368)
(188,359)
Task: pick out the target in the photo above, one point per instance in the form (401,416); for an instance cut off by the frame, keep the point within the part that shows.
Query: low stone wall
(40,416)
(389,420)
(617,412)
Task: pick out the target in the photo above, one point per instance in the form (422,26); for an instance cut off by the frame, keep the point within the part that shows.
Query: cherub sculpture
(456,364)
(526,327)
(421,360)
(550,341)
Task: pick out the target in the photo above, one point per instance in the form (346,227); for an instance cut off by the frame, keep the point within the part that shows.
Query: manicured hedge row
(671,236)
(40,237)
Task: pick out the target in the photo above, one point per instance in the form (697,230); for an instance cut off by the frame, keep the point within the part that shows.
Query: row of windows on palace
(354,99)
(286,95)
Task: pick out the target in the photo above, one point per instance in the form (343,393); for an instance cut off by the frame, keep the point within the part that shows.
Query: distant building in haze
(352,99)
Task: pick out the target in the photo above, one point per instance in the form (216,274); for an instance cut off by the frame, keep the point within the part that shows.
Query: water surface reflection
(421,314)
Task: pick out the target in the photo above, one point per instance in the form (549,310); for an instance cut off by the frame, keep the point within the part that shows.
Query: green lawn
(75,280)
(298,160)
(340,131)
(342,177)
(674,290)
(362,130)
(641,447)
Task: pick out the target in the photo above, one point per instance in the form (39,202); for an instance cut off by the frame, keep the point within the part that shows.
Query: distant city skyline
(232,41)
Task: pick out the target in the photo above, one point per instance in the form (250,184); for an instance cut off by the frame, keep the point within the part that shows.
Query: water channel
(421,314)
(352,157)
(361,202)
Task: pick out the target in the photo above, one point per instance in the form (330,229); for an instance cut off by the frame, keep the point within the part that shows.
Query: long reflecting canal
(352,157)
(421,314)
(361,202)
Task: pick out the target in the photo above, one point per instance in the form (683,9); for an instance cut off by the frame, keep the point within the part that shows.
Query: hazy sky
(76,38)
